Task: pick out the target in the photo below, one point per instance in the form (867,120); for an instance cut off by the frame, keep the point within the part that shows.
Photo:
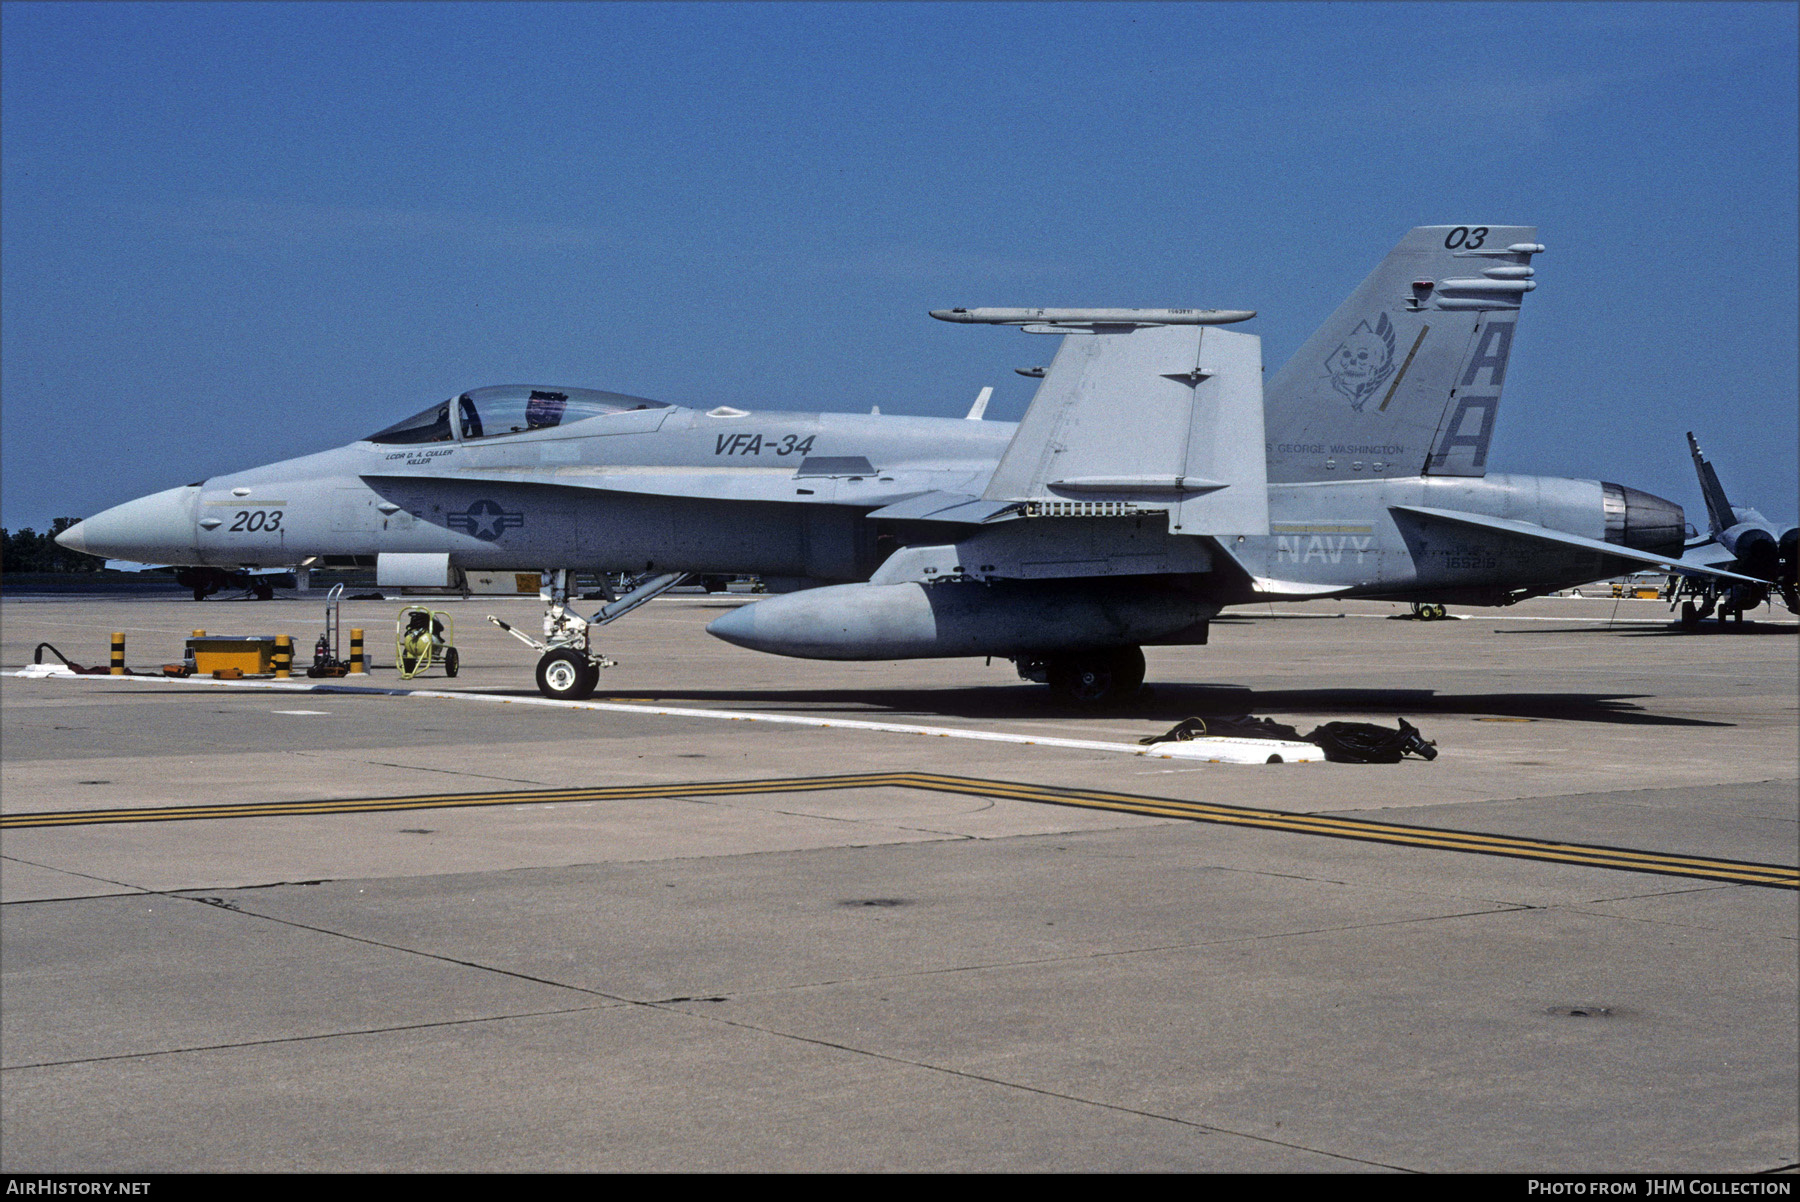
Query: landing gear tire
(1690,615)
(567,676)
(452,661)
(1092,679)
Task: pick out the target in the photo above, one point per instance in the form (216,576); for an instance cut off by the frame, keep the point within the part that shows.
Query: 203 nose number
(252,520)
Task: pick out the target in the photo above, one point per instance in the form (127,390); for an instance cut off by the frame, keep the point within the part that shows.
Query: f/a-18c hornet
(1153,481)
(1744,541)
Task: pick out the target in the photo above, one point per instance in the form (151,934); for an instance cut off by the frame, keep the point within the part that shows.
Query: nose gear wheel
(567,675)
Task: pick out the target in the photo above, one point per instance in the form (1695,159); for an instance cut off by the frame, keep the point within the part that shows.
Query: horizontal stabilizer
(1627,559)
(1268,586)
(1155,418)
(1710,553)
(1293,590)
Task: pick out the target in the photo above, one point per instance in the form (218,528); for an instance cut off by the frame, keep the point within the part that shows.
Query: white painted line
(299,711)
(1212,750)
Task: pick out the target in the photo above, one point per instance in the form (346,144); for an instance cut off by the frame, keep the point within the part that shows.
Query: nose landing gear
(569,669)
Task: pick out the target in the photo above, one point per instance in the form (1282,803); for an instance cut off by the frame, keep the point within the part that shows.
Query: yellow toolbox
(252,655)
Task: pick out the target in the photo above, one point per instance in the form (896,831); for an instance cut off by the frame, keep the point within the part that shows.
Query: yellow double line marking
(1741,872)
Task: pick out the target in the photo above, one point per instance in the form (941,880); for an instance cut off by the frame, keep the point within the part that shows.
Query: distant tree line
(29,551)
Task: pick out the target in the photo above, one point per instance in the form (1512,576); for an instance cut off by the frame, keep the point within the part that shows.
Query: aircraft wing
(1626,558)
(1157,417)
(1126,423)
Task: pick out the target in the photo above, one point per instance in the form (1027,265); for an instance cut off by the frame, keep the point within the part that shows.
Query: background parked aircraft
(1742,541)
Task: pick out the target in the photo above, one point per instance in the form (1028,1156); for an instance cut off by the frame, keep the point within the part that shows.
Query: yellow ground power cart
(253,655)
(423,637)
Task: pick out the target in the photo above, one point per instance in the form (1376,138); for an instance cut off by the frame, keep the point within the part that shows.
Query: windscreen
(429,425)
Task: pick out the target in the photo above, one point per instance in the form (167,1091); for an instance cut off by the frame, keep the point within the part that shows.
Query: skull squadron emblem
(1363,362)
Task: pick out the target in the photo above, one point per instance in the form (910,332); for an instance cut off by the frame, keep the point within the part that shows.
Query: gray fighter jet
(1153,482)
(1743,541)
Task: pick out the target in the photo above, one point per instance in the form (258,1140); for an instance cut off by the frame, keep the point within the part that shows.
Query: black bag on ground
(1366,743)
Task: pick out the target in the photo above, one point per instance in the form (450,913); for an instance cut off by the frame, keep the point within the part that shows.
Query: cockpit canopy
(508,409)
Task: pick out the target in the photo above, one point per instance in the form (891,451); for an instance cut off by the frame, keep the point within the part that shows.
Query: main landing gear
(1692,615)
(1701,599)
(568,668)
(1091,679)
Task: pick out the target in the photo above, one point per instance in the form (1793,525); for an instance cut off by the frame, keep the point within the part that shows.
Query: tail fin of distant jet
(1405,377)
(1719,513)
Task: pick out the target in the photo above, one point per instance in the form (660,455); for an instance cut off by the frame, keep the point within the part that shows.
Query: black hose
(1237,726)
(37,657)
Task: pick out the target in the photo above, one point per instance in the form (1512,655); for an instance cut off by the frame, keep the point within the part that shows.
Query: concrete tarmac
(898,951)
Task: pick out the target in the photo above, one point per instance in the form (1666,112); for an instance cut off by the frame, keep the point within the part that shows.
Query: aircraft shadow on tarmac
(1631,627)
(1673,630)
(1165,702)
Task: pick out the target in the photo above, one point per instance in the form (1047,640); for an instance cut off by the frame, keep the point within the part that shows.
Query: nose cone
(841,621)
(158,528)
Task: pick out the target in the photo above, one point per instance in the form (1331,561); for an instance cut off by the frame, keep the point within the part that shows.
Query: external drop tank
(1003,618)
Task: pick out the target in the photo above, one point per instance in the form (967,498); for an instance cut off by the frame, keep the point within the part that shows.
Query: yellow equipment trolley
(423,637)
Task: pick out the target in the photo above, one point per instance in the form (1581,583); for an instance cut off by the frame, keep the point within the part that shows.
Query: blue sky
(238,232)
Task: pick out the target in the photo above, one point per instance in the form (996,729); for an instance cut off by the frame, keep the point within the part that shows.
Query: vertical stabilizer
(1405,377)
(1719,513)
